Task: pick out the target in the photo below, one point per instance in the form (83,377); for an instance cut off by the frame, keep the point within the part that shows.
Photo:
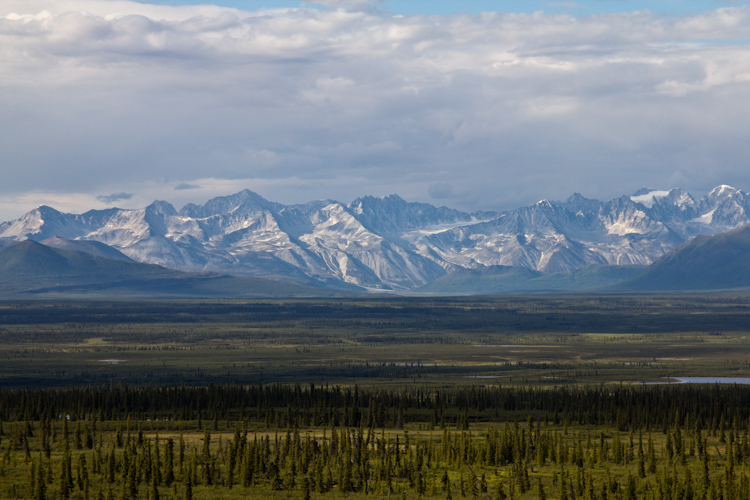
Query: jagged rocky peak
(725,198)
(680,198)
(543,204)
(650,198)
(723,190)
(725,207)
(644,190)
(40,223)
(45,213)
(245,201)
(393,203)
(369,203)
(161,208)
(40,213)
(723,193)
(578,202)
(392,214)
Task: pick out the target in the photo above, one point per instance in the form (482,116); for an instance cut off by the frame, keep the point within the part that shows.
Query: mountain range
(388,243)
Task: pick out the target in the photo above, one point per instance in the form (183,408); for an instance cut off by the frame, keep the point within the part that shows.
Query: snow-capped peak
(162,208)
(648,198)
(244,202)
(722,190)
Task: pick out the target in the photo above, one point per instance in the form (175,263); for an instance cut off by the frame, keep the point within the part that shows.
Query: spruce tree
(154,492)
(169,462)
(651,456)
(500,491)
(40,489)
(563,487)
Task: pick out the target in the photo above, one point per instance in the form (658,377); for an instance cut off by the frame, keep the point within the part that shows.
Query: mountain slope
(704,263)
(502,280)
(29,268)
(485,280)
(31,260)
(90,247)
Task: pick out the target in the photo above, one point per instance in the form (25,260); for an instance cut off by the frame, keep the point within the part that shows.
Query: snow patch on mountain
(705,219)
(649,198)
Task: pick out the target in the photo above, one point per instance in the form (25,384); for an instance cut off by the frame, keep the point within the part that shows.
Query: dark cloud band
(114,197)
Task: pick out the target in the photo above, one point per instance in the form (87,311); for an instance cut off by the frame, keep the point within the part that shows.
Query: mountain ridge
(388,243)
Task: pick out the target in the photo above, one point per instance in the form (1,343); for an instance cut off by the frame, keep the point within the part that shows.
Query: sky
(447,7)
(475,105)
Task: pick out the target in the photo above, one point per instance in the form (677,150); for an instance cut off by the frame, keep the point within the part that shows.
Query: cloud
(114,197)
(99,96)
(440,190)
(182,186)
(14,205)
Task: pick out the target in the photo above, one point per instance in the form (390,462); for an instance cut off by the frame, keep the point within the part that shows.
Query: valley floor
(508,341)
(504,397)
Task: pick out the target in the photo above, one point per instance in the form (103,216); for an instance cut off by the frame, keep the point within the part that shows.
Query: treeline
(372,319)
(359,312)
(631,408)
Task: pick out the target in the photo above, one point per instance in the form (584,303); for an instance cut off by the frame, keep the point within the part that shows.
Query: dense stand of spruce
(128,443)
(630,408)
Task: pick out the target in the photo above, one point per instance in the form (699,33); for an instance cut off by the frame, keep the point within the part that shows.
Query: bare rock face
(388,243)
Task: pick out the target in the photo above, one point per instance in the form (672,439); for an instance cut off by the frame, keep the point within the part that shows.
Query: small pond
(510,345)
(703,380)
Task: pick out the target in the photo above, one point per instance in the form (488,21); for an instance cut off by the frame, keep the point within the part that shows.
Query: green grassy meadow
(435,342)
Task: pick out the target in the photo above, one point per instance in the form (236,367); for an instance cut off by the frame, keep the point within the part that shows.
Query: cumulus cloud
(338,103)
(114,197)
